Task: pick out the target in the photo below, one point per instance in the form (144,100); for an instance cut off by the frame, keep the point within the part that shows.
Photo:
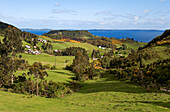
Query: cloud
(136,19)
(57,4)
(162,0)
(64,11)
(146,11)
(104,13)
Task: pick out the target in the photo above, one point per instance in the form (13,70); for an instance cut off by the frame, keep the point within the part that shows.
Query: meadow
(100,95)
(63,45)
(48,59)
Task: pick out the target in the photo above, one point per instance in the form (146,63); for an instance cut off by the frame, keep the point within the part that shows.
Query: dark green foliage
(109,53)
(47,67)
(96,54)
(105,62)
(124,46)
(80,64)
(30,38)
(5,26)
(101,41)
(164,37)
(47,47)
(47,89)
(37,70)
(12,44)
(72,51)
(154,75)
(70,34)
(57,90)
(58,36)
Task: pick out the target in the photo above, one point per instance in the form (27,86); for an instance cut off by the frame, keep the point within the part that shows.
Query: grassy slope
(64,45)
(55,75)
(135,45)
(1,37)
(160,52)
(48,59)
(23,42)
(100,95)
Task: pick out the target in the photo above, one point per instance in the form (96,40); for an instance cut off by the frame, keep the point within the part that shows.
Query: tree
(105,61)
(80,64)
(37,70)
(12,43)
(124,46)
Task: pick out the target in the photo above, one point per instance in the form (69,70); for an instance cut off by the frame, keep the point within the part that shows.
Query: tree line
(10,46)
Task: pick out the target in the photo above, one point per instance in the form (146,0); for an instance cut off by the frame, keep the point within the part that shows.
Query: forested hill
(4,26)
(28,37)
(164,39)
(71,34)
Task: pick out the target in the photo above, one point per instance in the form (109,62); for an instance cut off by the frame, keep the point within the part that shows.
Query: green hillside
(48,59)
(163,39)
(63,76)
(100,95)
(63,45)
(97,88)
(23,42)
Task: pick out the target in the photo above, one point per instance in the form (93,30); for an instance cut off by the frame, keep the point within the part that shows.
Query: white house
(36,53)
(100,47)
(44,41)
(27,46)
(103,48)
(95,58)
(29,51)
(56,50)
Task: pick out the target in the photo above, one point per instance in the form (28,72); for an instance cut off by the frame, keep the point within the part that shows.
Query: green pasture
(95,96)
(48,59)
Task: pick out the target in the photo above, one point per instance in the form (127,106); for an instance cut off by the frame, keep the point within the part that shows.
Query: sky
(86,14)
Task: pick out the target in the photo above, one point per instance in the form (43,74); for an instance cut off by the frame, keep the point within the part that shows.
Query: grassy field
(135,45)
(160,53)
(45,38)
(63,76)
(48,59)
(95,96)
(1,37)
(63,45)
(101,95)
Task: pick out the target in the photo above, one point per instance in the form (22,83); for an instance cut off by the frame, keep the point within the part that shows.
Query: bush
(46,67)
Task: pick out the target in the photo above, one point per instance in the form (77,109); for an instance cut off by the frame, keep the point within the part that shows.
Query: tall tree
(37,70)
(12,43)
(80,64)
(105,61)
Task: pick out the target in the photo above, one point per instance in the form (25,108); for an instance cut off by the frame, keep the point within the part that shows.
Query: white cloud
(136,19)
(57,4)
(104,13)
(162,0)
(64,11)
(146,11)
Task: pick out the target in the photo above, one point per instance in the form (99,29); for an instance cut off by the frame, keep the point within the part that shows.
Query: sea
(138,35)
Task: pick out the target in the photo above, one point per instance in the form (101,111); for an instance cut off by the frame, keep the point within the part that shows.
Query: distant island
(45,29)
